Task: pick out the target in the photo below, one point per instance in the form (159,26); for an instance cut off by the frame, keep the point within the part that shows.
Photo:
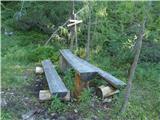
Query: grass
(22,51)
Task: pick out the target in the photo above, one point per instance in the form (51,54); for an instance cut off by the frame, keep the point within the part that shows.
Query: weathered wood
(87,71)
(44,95)
(39,70)
(55,83)
(74,23)
(80,85)
(105,91)
(74,20)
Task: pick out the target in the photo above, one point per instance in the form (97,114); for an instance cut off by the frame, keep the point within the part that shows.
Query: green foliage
(85,96)
(6,115)
(44,52)
(69,79)
(80,52)
(57,105)
(114,31)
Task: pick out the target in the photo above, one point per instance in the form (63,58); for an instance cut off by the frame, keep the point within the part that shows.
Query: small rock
(1,92)
(75,110)
(54,116)
(107,100)
(61,118)
(3,102)
(39,70)
(29,115)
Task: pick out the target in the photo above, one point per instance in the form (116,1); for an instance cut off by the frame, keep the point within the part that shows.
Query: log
(67,97)
(39,70)
(105,91)
(44,95)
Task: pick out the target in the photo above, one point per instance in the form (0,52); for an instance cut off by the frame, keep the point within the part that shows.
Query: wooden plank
(74,23)
(55,83)
(111,79)
(86,72)
(74,20)
(86,69)
(75,62)
(44,95)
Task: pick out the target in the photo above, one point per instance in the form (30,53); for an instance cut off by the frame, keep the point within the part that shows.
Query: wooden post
(79,85)
(63,64)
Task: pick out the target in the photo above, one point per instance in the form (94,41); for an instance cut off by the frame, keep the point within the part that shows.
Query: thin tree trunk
(133,68)
(72,29)
(89,27)
(75,31)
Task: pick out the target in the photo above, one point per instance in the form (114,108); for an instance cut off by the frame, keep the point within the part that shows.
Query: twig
(55,32)
(62,26)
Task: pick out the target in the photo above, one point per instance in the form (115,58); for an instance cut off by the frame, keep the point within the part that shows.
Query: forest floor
(22,52)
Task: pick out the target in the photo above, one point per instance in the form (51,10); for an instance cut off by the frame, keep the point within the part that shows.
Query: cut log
(44,95)
(39,70)
(67,97)
(56,85)
(105,91)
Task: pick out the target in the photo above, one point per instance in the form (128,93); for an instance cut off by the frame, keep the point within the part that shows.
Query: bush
(44,52)
(57,105)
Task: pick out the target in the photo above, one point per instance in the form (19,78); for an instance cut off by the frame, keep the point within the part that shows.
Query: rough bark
(133,67)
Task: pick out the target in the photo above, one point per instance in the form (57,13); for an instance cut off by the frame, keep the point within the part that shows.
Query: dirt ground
(22,102)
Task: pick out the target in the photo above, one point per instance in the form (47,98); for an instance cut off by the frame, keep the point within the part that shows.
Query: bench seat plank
(55,83)
(84,68)
(76,62)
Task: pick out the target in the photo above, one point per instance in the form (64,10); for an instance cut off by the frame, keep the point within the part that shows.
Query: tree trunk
(133,68)
(89,27)
(72,29)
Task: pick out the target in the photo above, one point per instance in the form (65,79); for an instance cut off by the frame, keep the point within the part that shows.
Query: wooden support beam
(45,95)
(105,91)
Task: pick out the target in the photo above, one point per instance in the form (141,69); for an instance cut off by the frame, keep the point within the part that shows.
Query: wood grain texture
(87,71)
(55,83)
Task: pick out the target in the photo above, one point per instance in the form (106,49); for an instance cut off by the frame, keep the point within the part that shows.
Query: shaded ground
(24,100)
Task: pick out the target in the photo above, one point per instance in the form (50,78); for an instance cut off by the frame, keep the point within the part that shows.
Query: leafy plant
(69,79)
(57,105)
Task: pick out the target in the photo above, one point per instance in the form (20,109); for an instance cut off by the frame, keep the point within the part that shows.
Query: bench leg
(79,85)
(63,64)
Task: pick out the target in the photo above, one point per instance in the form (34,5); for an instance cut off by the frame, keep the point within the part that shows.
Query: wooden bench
(85,71)
(56,85)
